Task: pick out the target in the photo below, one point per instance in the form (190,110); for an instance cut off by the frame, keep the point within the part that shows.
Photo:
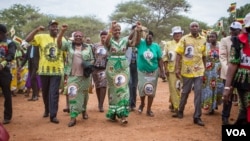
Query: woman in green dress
(77,83)
(117,73)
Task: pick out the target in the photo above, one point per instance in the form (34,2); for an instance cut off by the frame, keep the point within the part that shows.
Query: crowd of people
(120,66)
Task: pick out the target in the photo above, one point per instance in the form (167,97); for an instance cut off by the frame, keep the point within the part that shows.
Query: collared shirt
(51,58)
(192,50)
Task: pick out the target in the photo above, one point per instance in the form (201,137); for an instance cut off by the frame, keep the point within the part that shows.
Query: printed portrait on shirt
(148,55)
(189,51)
(171,56)
(51,52)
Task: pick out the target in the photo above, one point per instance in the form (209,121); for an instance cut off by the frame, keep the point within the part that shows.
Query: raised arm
(135,35)
(31,35)
(107,41)
(60,35)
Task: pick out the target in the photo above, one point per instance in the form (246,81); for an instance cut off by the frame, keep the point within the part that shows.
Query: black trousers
(5,80)
(34,81)
(227,107)
(133,82)
(50,92)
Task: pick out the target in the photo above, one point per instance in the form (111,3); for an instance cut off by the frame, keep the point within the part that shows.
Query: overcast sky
(208,11)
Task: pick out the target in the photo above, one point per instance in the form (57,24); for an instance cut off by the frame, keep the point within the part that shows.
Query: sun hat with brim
(176,29)
(236,25)
(247,20)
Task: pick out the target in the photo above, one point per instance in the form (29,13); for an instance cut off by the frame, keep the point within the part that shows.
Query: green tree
(18,16)
(157,15)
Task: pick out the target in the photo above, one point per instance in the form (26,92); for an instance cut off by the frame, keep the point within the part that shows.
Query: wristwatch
(227,88)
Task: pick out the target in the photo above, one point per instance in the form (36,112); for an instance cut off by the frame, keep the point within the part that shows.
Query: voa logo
(236,132)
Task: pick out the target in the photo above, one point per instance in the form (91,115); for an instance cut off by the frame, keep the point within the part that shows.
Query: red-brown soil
(29,125)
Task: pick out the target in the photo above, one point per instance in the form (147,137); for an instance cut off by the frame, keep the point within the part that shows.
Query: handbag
(87,68)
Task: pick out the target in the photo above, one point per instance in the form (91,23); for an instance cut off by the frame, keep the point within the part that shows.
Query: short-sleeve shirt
(51,58)
(170,54)
(192,50)
(148,56)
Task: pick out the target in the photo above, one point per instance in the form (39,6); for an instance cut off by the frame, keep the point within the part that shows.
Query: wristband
(227,88)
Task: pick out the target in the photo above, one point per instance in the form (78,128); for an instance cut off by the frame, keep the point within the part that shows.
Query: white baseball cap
(176,29)
(247,20)
(236,25)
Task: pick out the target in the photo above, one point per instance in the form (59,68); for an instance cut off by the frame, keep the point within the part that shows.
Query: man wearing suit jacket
(224,56)
(32,56)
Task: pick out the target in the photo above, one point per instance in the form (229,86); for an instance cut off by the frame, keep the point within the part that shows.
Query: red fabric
(244,39)
(4,135)
(248,114)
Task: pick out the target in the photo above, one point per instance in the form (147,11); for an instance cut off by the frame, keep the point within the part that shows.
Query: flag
(240,20)
(232,8)
(17,39)
(12,31)
(220,23)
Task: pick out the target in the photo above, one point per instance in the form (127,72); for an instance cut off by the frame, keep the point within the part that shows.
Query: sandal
(124,121)
(72,122)
(140,108)
(150,113)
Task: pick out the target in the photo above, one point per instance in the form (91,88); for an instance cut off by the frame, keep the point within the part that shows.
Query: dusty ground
(29,125)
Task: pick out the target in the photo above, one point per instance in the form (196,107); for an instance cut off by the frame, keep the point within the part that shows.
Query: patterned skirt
(147,83)
(77,88)
(117,73)
(99,77)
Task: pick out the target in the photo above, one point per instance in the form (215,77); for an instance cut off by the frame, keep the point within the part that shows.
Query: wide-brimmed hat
(176,29)
(236,25)
(247,20)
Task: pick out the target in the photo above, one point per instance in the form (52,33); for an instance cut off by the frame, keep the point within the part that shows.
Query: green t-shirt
(148,56)
(51,58)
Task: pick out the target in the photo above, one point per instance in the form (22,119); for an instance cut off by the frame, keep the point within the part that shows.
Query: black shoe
(45,114)
(85,115)
(225,121)
(54,120)
(33,99)
(132,109)
(211,112)
(72,122)
(178,115)
(6,121)
(101,109)
(198,121)
(66,110)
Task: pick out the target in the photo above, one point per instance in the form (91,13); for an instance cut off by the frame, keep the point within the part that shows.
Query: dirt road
(29,125)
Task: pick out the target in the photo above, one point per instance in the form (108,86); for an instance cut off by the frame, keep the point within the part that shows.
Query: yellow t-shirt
(51,58)
(192,50)
(170,55)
